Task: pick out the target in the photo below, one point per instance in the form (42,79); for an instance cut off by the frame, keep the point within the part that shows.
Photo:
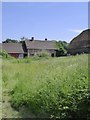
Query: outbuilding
(13,49)
(80,44)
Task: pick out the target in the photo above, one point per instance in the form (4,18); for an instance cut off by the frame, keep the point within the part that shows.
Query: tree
(10,41)
(62,48)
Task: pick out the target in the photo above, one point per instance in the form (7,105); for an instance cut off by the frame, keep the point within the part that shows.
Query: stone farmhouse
(30,48)
(35,47)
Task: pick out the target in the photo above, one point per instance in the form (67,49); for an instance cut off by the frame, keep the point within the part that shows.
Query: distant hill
(80,44)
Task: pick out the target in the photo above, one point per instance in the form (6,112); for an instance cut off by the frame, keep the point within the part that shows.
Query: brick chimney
(32,38)
(45,39)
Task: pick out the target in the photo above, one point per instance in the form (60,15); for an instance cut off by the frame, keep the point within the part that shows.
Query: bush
(4,54)
(43,54)
(62,48)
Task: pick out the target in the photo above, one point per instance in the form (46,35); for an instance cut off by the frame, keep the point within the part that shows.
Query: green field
(46,87)
(0,88)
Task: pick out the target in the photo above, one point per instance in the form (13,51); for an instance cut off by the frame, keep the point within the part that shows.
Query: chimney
(45,39)
(32,38)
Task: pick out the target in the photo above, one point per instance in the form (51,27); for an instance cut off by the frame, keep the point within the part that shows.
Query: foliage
(43,54)
(10,41)
(55,87)
(5,55)
(62,48)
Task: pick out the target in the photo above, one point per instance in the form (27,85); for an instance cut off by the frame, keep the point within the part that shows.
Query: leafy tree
(62,48)
(10,41)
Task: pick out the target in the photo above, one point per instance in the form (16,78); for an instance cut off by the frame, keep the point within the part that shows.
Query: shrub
(4,54)
(43,54)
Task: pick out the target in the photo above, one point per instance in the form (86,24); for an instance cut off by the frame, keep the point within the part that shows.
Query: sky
(51,20)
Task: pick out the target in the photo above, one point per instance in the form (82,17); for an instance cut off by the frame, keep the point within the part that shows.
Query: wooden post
(28,52)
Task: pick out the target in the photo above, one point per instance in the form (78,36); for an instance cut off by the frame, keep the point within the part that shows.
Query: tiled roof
(12,47)
(38,44)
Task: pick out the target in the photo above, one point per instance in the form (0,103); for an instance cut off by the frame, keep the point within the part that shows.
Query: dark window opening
(32,54)
(52,54)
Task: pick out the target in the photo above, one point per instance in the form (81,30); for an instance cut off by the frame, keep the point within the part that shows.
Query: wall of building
(33,52)
(79,51)
(16,55)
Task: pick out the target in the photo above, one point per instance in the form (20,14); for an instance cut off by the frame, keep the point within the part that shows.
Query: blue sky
(57,21)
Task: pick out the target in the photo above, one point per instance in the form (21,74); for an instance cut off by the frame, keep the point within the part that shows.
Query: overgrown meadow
(0,88)
(49,87)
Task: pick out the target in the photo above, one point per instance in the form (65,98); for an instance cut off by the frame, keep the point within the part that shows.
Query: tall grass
(0,88)
(55,87)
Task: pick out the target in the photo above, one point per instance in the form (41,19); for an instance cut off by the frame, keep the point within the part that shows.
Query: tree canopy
(8,40)
(62,48)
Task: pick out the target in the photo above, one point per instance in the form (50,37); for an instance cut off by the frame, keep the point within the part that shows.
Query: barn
(80,44)
(13,49)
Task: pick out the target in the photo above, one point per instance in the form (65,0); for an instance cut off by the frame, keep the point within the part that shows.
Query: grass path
(9,112)
(6,111)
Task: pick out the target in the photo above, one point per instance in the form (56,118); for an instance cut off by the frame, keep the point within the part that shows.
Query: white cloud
(76,30)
